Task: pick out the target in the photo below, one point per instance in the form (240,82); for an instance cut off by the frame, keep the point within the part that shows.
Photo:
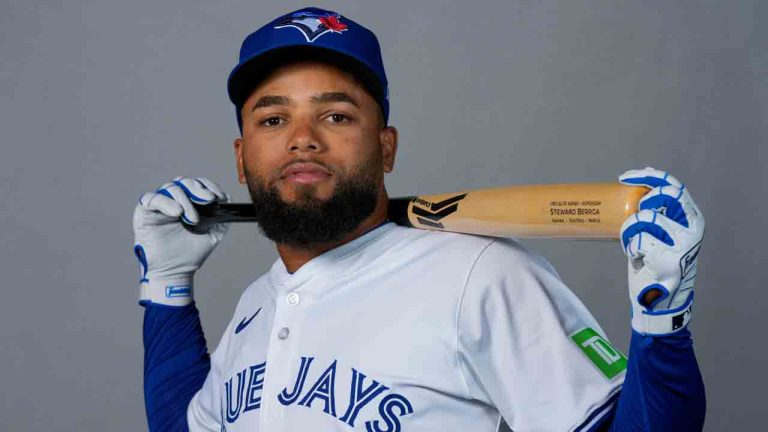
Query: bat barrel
(565,211)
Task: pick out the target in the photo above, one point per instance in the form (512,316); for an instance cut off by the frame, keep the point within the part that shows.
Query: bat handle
(397,210)
(216,213)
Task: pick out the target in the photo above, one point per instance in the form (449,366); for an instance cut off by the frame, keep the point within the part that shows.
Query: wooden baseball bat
(565,211)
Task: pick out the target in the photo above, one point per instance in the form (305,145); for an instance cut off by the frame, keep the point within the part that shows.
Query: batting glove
(662,242)
(168,253)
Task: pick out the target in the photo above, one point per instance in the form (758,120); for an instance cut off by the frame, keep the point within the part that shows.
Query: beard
(310,220)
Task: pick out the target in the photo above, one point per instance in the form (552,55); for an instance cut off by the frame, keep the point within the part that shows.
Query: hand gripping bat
(565,211)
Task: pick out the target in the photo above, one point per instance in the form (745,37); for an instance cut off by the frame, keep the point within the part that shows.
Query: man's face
(313,153)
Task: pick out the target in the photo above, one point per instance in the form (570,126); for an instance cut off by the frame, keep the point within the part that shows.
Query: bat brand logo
(244,323)
(313,25)
(430,213)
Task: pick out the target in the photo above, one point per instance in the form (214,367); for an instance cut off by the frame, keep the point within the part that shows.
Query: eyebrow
(269,100)
(334,97)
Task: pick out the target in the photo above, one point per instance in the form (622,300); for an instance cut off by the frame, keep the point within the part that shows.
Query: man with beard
(363,325)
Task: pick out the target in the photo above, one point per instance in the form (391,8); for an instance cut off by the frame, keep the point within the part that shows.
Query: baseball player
(365,325)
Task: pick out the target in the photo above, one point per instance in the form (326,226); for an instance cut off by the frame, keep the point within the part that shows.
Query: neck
(296,256)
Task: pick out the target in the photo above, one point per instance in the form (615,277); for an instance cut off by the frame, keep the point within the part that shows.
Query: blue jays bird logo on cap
(313,25)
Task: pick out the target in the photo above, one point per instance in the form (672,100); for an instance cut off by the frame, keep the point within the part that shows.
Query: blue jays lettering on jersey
(363,338)
(243,394)
(313,25)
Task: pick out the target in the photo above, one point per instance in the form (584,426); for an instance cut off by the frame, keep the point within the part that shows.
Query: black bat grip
(216,213)
(397,210)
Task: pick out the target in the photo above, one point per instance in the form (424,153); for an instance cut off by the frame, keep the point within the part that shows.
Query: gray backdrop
(102,100)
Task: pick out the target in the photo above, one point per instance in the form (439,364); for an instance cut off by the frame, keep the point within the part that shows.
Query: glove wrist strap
(662,322)
(169,292)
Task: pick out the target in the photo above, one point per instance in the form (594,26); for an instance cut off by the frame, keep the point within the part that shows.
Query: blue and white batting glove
(662,242)
(168,253)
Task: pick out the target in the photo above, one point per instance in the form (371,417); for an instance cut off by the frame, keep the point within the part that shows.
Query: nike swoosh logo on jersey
(244,323)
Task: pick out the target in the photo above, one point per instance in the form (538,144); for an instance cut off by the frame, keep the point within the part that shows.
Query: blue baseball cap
(309,33)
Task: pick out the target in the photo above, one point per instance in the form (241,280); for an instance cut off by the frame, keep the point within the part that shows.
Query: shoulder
(496,246)
(505,256)
(437,244)
(477,254)
(506,266)
(471,259)
(486,255)
(510,280)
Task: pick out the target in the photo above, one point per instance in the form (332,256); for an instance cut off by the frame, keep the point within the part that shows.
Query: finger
(692,212)
(656,255)
(156,202)
(175,192)
(195,190)
(667,200)
(647,222)
(214,188)
(631,249)
(649,177)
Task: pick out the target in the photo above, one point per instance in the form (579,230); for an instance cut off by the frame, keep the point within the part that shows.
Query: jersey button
(283,333)
(293,299)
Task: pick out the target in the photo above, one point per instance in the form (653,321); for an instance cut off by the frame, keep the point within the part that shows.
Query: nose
(304,138)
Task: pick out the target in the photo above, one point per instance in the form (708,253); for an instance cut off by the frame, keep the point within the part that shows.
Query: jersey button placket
(281,352)
(292,299)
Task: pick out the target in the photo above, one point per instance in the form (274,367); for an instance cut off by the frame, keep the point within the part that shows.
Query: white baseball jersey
(410,330)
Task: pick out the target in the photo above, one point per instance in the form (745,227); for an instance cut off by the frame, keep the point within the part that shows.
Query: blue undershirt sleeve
(663,389)
(176,363)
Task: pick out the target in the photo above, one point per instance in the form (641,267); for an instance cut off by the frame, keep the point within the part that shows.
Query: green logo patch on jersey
(600,352)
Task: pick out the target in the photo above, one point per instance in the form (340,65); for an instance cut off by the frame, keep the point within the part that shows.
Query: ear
(388,140)
(238,144)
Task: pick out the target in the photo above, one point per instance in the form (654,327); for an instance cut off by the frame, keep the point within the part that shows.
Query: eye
(272,121)
(338,118)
